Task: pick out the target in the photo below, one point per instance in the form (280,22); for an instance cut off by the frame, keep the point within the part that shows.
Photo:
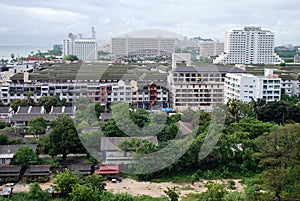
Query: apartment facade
(128,46)
(148,95)
(250,45)
(211,48)
(297,58)
(246,87)
(198,87)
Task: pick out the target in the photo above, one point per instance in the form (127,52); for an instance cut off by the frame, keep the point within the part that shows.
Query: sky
(41,22)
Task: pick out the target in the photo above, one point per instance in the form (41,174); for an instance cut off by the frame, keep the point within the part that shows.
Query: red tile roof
(107,169)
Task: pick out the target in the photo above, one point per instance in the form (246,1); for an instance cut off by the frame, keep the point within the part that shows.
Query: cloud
(50,21)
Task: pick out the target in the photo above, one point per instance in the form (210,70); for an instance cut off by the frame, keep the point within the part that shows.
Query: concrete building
(128,46)
(66,83)
(84,48)
(246,87)
(121,92)
(297,58)
(250,45)
(198,87)
(211,48)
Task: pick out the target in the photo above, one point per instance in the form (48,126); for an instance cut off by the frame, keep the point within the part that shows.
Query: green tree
(16,103)
(37,125)
(49,101)
(24,156)
(4,139)
(95,181)
(110,129)
(82,192)
(70,58)
(280,156)
(63,139)
(37,194)
(65,181)
(215,192)
(279,112)
(172,193)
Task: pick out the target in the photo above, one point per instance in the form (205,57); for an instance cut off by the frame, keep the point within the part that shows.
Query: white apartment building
(250,45)
(287,85)
(296,87)
(84,48)
(210,48)
(198,87)
(246,87)
(290,85)
(121,92)
(128,46)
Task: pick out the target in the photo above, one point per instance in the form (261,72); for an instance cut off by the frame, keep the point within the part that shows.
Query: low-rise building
(297,58)
(6,113)
(7,152)
(198,87)
(247,87)
(112,154)
(10,173)
(38,173)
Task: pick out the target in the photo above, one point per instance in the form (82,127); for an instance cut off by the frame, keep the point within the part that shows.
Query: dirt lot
(143,188)
(157,189)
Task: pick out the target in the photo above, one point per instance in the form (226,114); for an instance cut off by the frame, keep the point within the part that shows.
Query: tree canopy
(63,139)
(24,156)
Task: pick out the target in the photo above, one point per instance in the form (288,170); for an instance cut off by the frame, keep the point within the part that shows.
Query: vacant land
(157,189)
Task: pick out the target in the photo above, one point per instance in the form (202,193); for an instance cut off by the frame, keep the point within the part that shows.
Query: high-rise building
(210,48)
(84,48)
(250,45)
(134,46)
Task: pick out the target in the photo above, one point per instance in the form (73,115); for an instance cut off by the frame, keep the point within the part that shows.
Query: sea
(21,50)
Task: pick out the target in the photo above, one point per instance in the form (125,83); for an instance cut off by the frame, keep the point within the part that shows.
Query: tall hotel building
(250,45)
(84,48)
(135,46)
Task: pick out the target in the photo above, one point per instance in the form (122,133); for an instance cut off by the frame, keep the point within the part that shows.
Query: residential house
(10,173)
(81,169)
(7,152)
(112,154)
(38,173)
(6,113)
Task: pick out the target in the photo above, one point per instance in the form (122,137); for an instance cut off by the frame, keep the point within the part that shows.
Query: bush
(37,194)
(234,196)
(2,124)
(231,185)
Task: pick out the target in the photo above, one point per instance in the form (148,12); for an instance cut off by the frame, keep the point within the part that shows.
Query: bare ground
(136,188)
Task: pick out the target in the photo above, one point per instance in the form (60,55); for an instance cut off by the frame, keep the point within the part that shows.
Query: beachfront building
(127,46)
(84,48)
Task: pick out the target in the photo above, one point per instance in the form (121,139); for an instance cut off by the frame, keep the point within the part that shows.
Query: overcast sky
(42,22)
